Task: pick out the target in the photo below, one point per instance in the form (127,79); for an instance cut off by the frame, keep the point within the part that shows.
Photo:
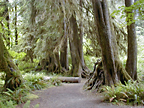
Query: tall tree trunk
(104,35)
(85,70)
(8,23)
(110,70)
(81,39)
(64,54)
(74,48)
(31,38)
(131,64)
(13,78)
(64,48)
(16,34)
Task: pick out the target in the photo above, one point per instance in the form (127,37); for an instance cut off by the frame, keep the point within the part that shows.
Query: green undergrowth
(24,93)
(130,93)
(35,81)
(27,66)
(10,99)
(10,104)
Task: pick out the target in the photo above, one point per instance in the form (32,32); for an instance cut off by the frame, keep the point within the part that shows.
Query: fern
(131,92)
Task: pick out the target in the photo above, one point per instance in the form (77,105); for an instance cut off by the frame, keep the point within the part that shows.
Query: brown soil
(70,96)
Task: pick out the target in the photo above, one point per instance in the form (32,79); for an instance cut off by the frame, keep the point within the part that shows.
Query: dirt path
(70,96)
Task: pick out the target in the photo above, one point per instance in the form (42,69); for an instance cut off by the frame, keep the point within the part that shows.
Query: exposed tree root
(96,78)
(85,73)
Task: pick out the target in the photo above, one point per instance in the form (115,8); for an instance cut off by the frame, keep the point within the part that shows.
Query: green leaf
(36,106)
(10,104)
(27,104)
(7,93)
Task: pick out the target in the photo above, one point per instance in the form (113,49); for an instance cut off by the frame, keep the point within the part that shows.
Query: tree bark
(110,70)
(13,78)
(16,33)
(104,35)
(74,48)
(131,64)
(51,63)
(31,38)
(64,48)
(64,54)
(8,23)
(85,70)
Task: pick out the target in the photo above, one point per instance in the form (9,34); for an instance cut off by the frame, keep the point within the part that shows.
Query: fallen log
(65,79)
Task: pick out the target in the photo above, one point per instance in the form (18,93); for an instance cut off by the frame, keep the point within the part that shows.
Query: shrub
(54,81)
(26,66)
(35,81)
(16,95)
(10,104)
(131,92)
(18,56)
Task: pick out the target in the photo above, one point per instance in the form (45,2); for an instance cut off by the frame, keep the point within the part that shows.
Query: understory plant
(131,92)
(54,81)
(10,104)
(35,81)
(10,98)
(17,95)
(32,81)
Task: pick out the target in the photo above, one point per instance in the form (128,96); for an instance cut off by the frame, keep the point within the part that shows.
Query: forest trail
(70,95)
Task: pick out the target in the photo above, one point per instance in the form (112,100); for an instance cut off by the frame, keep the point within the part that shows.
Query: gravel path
(70,96)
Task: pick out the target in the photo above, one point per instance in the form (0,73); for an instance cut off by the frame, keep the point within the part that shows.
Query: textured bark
(74,45)
(13,78)
(8,23)
(64,54)
(64,48)
(16,33)
(31,38)
(51,63)
(85,70)
(121,72)
(104,35)
(131,64)
(110,70)
(81,39)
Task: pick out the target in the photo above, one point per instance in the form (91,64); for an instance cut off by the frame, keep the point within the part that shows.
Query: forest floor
(71,95)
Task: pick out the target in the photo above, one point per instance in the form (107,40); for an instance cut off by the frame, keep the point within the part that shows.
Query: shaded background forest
(60,37)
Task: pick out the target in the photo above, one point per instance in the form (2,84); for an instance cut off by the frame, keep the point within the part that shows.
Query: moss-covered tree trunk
(64,54)
(74,48)
(8,23)
(13,78)
(110,70)
(85,70)
(51,63)
(31,37)
(104,34)
(64,48)
(15,24)
(131,64)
